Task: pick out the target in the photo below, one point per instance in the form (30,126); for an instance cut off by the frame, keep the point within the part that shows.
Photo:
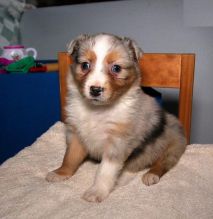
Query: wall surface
(157,26)
(198,13)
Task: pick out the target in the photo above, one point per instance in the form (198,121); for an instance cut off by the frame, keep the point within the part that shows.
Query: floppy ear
(74,44)
(132,45)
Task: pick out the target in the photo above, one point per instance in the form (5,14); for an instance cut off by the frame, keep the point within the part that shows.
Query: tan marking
(90,56)
(168,159)
(79,75)
(119,129)
(116,87)
(158,168)
(112,57)
(74,156)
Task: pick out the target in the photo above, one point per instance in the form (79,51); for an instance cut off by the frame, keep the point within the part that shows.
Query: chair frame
(160,70)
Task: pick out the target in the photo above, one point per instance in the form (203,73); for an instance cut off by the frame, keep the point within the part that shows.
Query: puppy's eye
(85,66)
(116,69)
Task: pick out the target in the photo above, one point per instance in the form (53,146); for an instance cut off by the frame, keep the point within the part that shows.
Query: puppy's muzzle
(96,91)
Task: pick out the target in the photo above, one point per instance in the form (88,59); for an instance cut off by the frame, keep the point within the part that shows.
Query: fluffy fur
(110,118)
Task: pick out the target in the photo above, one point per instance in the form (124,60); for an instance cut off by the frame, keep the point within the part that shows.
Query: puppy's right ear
(75,44)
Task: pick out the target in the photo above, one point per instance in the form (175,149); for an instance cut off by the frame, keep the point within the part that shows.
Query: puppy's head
(104,66)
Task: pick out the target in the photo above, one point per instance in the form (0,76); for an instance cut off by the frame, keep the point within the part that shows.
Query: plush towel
(184,192)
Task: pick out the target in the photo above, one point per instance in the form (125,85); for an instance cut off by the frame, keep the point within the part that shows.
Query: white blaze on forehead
(101,48)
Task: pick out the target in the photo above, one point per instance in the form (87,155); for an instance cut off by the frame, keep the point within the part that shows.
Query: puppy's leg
(165,162)
(115,153)
(104,181)
(74,156)
(154,174)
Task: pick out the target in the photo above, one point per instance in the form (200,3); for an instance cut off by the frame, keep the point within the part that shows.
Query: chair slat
(186,92)
(64,63)
(161,70)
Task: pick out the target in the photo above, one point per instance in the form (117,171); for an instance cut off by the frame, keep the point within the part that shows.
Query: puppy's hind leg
(74,156)
(164,163)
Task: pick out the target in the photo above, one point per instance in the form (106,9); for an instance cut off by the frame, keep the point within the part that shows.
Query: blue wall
(29,105)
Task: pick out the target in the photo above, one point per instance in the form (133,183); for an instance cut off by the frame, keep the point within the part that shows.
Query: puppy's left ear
(132,45)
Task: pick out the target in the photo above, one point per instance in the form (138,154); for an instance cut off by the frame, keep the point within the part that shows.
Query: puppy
(110,118)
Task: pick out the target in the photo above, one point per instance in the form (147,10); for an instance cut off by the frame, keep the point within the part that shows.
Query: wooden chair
(158,70)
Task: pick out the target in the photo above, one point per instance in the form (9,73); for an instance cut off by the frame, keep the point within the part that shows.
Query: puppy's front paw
(94,194)
(55,177)
(150,179)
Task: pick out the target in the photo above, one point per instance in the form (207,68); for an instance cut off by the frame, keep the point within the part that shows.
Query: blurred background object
(10,16)
(47,3)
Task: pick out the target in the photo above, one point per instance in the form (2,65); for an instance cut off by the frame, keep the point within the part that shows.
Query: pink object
(17,52)
(5,62)
(14,47)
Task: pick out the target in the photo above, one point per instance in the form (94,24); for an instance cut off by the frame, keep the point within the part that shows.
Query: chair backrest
(158,70)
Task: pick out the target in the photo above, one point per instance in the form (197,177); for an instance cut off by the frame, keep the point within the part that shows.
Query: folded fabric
(22,65)
(5,62)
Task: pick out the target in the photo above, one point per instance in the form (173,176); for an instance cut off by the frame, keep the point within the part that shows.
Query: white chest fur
(93,123)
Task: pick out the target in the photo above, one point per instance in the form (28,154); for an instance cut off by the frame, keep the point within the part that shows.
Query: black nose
(96,91)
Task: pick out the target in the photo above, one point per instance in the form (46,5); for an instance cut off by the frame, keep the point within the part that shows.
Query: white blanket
(185,192)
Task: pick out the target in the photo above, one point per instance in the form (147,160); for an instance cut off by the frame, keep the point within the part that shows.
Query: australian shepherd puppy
(110,118)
